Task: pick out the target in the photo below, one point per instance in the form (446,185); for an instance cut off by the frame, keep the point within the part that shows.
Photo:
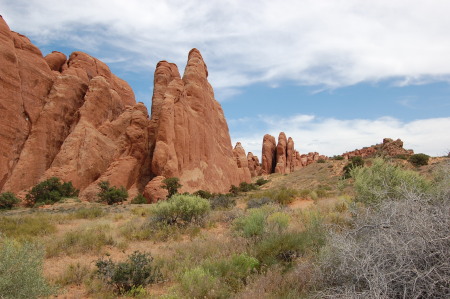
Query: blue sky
(334,75)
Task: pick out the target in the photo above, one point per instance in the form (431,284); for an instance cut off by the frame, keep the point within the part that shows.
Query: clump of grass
(87,239)
(282,196)
(26,227)
(88,213)
(74,274)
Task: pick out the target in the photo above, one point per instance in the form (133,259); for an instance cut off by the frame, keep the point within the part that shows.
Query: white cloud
(330,43)
(332,136)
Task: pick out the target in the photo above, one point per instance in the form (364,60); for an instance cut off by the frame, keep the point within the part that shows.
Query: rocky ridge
(389,147)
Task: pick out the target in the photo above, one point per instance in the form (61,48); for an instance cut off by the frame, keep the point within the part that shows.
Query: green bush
(261,181)
(246,187)
(180,209)
(258,202)
(8,200)
(111,195)
(172,185)
(137,271)
(284,247)
(282,196)
(21,271)
(50,191)
(384,180)
(419,159)
(321,161)
(199,283)
(221,202)
(139,199)
(203,194)
(353,163)
(338,158)
(234,190)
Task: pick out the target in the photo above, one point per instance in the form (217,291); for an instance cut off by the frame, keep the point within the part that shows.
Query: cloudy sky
(335,75)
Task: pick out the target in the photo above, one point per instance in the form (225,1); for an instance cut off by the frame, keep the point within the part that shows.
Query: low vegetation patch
(21,270)
(8,200)
(180,210)
(282,196)
(87,239)
(50,191)
(27,227)
(131,275)
(354,162)
(88,213)
(419,159)
(222,202)
(139,200)
(111,195)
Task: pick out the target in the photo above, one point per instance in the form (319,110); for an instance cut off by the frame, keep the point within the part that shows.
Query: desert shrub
(180,209)
(246,187)
(73,274)
(282,196)
(321,161)
(337,157)
(258,202)
(419,159)
(50,191)
(353,163)
(199,283)
(261,181)
(399,250)
(137,271)
(221,202)
(21,270)
(111,195)
(172,185)
(8,200)
(139,199)
(234,190)
(253,224)
(278,222)
(285,246)
(203,194)
(402,156)
(384,180)
(26,227)
(88,213)
(88,239)
(232,272)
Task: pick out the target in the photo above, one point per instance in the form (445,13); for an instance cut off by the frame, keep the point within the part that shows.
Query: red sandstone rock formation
(242,163)
(268,154)
(189,136)
(253,165)
(283,156)
(389,147)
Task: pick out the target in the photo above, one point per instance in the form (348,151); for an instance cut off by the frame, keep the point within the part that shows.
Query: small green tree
(50,191)
(172,185)
(111,195)
(139,199)
(419,159)
(8,200)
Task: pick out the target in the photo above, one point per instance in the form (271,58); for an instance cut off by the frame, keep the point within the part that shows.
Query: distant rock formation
(389,147)
(282,157)
(254,165)
(72,118)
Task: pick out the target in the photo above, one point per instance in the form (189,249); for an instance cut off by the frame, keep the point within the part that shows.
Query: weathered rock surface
(189,136)
(242,163)
(282,157)
(56,60)
(389,147)
(253,165)
(268,158)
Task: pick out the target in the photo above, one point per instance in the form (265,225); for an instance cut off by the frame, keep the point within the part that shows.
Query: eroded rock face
(189,136)
(72,119)
(253,165)
(389,147)
(268,158)
(281,154)
(242,162)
